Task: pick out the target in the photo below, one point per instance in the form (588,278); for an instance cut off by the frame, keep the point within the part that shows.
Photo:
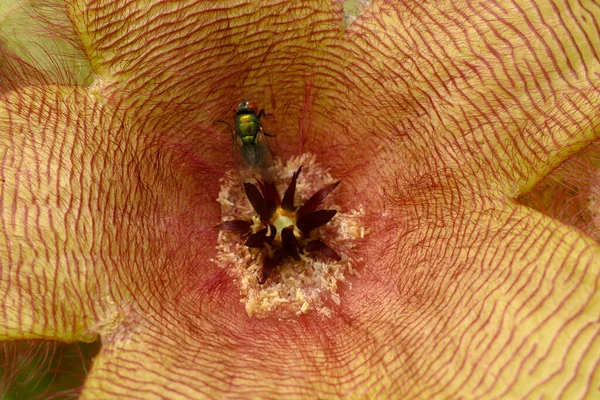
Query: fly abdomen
(252,154)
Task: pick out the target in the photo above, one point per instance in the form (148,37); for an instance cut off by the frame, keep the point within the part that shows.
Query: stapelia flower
(437,116)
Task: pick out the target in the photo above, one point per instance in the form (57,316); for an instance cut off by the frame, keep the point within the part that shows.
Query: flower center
(289,254)
(283,219)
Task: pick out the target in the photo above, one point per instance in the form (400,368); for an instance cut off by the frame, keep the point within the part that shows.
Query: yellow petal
(201,52)
(498,93)
(50,248)
(38,45)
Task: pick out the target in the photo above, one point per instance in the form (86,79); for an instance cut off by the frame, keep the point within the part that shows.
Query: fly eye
(252,106)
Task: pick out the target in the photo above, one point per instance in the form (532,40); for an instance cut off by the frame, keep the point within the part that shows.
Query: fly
(251,152)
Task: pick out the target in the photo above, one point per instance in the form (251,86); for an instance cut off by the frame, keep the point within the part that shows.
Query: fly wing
(253,161)
(264,157)
(243,171)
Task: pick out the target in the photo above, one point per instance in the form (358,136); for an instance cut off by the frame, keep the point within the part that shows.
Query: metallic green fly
(251,154)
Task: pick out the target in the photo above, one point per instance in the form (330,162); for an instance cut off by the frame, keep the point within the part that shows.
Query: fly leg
(260,114)
(229,125)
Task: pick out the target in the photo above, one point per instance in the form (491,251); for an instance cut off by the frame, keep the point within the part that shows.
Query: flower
(436,115)
(283,225)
